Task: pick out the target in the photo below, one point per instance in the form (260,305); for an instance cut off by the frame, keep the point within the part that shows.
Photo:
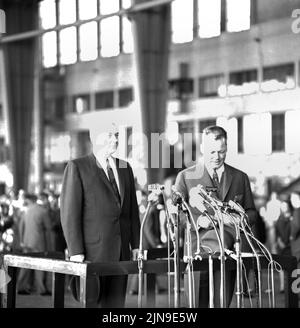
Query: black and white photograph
(149,157)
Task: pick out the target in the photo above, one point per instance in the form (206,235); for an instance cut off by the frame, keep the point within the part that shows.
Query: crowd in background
(31,223)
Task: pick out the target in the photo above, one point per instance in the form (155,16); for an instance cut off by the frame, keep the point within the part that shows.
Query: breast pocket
(238,198)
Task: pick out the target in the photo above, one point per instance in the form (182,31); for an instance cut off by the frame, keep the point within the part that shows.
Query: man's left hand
(135,253)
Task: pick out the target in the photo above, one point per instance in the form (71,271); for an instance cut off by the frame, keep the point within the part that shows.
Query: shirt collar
(219,171)
(102,161)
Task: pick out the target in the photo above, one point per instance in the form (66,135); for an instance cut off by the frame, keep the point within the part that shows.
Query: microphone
(177,197)
(155,190)
(155,187)
(203,191)
(237,207)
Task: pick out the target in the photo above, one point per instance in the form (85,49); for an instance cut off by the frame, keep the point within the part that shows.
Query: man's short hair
(217,131)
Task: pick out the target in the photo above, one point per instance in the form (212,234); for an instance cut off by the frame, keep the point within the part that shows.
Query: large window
(87,9)
(47,14)
(125,97)
(292,119)
(110,36)
(181,88)
(238,15)
(105,99)
(257,134)
(278,132)
(240,135)
(68,47)
(212,86)
(67,11)
(209,18)
(278,77)
(243,82)
(182,21)
(107,38)
(49,46)
(88,41)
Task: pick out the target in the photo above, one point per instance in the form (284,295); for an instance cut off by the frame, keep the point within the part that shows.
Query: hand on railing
(77,258)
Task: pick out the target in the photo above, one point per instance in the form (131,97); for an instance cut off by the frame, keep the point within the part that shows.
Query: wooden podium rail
(152,267)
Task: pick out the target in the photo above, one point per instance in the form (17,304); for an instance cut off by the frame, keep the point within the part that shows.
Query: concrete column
(19,58)
(38,122)
(151,30)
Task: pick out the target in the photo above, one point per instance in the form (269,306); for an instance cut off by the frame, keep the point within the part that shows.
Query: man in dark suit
(99,215)
(230,184)
(36,237)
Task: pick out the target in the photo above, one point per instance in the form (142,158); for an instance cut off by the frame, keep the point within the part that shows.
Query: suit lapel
(101,174)
(205,179)
(226,183)
(121,180)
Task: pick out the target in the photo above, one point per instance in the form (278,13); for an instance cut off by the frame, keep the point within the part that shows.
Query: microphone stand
(203,210)
(222,253)
(239,292)
(189,260)
(172,235)
(257,261)
(140,260)
(177,259)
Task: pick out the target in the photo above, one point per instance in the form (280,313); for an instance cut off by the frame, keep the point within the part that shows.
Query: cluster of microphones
(202,193)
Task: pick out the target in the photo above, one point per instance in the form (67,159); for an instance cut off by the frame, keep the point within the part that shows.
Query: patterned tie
(112,180)
(216,181)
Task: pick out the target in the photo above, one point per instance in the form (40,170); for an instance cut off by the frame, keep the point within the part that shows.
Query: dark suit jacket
(36,234)
(93,222)
(295,233)
(236,186)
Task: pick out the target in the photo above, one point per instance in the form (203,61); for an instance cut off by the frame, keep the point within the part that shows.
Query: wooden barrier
(152,267)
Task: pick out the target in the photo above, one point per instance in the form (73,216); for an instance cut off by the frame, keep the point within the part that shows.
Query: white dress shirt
(112,163)
(219,171)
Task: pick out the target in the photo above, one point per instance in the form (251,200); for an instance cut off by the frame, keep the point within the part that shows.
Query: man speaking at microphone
(100,217)
(227,183)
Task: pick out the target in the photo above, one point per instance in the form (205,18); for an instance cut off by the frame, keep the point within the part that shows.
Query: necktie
(216,181)
(112,180)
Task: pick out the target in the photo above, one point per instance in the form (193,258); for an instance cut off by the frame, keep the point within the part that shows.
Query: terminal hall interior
(163,72)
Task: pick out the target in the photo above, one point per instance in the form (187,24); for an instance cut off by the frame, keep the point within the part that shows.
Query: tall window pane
(257,134)
(87,9)
(67,39)
(67,11)
(278,132)
(292,131)
(238,15)
(49,49)
(126,4)
(127,35)
(109,6)
(88,41)
(209,13)
(109,36)
(182,21)
(47,13)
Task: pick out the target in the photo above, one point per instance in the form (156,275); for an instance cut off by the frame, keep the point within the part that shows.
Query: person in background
(35,238)
(283,235)
(59,242)
(272,214)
